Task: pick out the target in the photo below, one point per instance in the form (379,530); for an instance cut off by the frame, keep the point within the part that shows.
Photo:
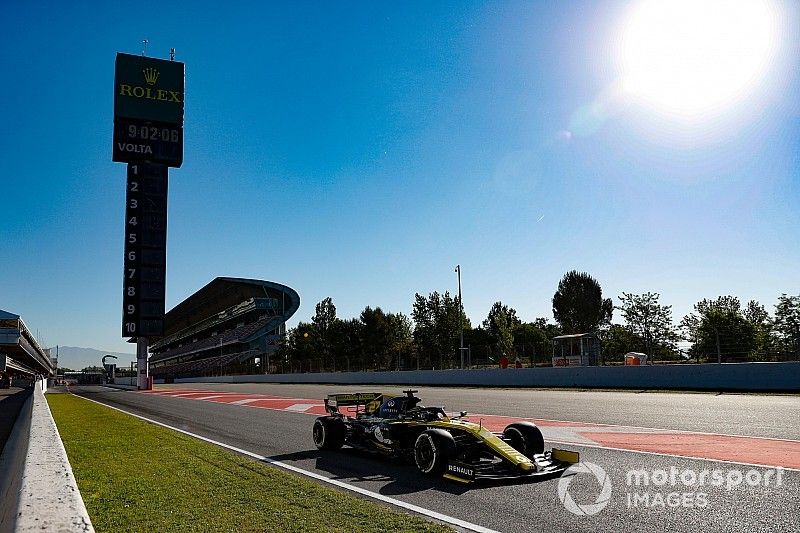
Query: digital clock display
(146,141)
(154,133)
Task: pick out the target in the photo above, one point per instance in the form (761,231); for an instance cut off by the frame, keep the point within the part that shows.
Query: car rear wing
(362,402)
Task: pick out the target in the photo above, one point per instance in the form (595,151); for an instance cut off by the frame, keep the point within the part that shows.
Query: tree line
(719,330)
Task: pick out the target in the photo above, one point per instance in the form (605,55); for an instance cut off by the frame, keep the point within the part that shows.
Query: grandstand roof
(223,293)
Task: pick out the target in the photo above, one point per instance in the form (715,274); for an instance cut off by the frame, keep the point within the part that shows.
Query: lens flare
(691,58)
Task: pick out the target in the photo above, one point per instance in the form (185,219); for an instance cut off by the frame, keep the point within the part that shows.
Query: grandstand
(230,326)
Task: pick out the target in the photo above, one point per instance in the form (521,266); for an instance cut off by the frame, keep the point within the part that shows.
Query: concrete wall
(728,377)
(12,465)
(40,490)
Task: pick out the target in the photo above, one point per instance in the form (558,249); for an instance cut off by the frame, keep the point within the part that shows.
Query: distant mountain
(79,358)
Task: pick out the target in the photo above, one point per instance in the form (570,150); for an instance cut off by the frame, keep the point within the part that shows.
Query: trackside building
(20,353)
(230,326)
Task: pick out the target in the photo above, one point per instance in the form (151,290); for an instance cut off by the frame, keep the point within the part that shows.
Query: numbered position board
(145,251)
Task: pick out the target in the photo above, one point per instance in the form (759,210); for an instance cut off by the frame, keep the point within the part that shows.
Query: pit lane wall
(37,487)
(12,466)
(743,377)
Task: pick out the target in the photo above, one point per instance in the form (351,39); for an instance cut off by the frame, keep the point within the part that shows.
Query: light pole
(460,317)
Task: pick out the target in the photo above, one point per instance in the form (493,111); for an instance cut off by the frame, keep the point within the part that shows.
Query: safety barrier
(12,464)
(42,494)
(750,377)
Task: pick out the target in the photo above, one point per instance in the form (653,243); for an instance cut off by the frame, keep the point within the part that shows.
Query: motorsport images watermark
(662,488)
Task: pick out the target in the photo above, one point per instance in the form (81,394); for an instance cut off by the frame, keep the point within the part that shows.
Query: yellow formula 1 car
(439,445)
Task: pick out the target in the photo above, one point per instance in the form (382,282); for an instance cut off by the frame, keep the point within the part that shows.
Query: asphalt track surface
(285,436)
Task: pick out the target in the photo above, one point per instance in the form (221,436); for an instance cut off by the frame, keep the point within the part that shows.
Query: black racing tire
(328,433)
(432,450)
(525,437)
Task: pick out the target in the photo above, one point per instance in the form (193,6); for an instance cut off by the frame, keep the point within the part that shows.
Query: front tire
(328,433)
(525,437)
(432,450)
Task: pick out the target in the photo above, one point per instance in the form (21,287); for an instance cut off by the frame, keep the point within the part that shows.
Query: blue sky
(361,150)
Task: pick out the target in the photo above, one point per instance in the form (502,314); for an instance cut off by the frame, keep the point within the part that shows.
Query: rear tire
(525,437)
(328,433)
(432,450)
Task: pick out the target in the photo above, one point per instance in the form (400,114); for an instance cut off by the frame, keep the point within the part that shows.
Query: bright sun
(693,57)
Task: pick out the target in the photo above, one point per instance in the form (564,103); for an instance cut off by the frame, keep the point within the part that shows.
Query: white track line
(301,407)
(210,397)
(364,492)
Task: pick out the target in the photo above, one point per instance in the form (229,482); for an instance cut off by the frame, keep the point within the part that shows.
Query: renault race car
(439,445)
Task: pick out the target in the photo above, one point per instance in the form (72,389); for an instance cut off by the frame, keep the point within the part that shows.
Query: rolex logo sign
(149,89)
(150,76)
(148,111)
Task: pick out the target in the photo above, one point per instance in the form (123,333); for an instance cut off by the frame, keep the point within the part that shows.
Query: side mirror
(463,413)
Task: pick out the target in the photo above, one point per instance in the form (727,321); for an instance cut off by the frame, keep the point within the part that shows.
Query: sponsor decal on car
(461,470)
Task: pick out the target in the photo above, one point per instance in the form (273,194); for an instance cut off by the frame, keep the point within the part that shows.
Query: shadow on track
(355,467)
(400,477)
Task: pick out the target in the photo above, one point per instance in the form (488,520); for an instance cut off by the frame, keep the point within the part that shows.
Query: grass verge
(136,476)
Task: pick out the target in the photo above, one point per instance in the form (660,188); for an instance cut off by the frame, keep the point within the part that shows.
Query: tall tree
(449,319)
(375,337)
(345,338)
(727,334)
(437,322)
(787,322)
(649,320)
(401,340)
(498,311)
(424,329)
(578,304)
(690,329)
(722,303)
(505,335)
(299,350)
(719,330)
(323,319)
(757,315)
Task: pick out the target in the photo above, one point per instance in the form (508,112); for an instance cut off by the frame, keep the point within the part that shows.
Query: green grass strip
(136,476)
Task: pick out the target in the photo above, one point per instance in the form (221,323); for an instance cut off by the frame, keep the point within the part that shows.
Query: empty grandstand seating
(223,328)
(240,334)
(202,367)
